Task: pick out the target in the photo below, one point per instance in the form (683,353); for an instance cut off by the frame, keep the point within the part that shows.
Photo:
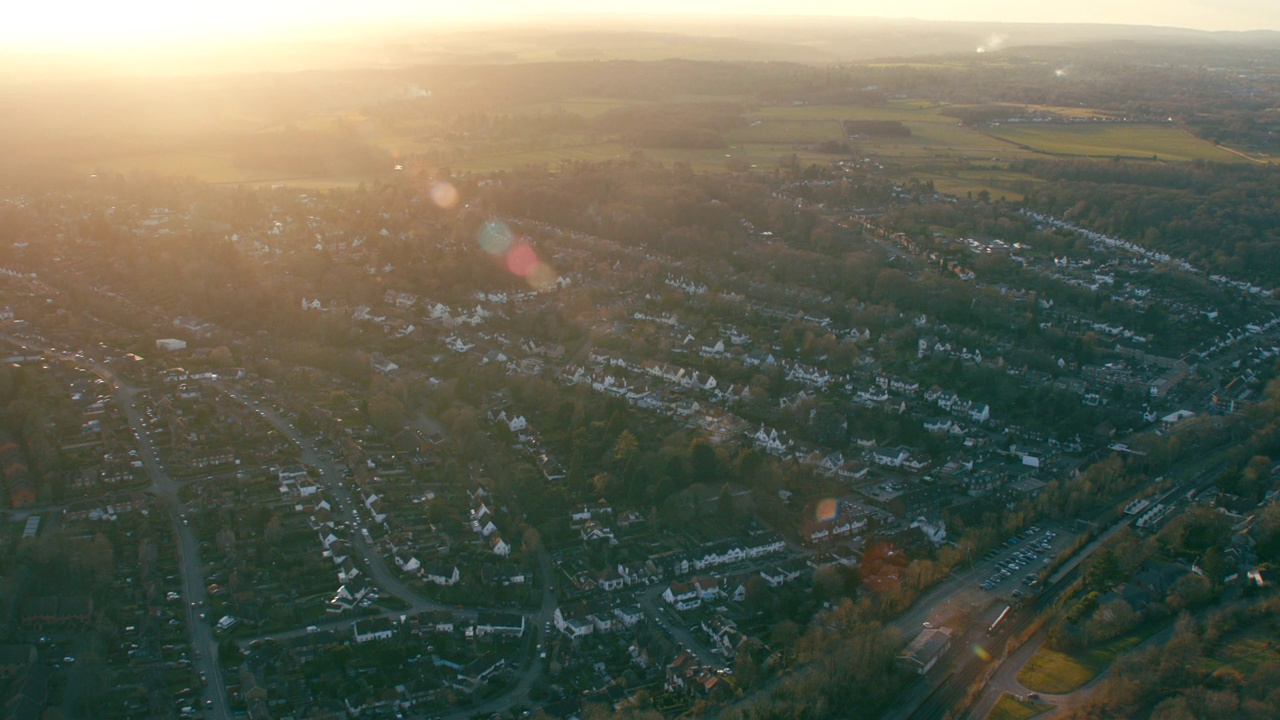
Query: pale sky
(96,24)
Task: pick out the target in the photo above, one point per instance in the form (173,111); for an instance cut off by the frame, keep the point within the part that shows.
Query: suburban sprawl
(895,424)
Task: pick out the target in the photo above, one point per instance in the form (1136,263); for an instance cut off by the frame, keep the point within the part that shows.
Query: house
(708,588)
(814,531)
(933,528)
(980,412)
(347,596)
(682,595)
(610,580)
(514,424)
(370,629)
(763,544)
(937,425)
(1264,577)
(629,615)
(478,672)
(771,441)
(724,635)
(1174,418)
(590,616)
(348,571)
(382,364)
(499,546)
(496,623)
(504,575)
(60,610)
(894,458)
(411,566)
(719,553)
(440,574)
(591,530)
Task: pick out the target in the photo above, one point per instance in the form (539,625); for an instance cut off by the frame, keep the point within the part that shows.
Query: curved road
(378,569)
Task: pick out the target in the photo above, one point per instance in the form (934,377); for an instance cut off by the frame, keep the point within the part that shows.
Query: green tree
(703,464)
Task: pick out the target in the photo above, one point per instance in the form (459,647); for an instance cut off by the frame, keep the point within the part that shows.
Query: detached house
(440,575)
(771,441)
(682,595)
(498,546)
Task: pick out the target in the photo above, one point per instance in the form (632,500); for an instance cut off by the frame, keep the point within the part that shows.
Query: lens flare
(826,510)
(444,194)
(495,237)
(522,260)
(542,277)
(518,256)
(982,655)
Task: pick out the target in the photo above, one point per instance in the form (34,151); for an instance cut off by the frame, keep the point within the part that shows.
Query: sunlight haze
(60,26)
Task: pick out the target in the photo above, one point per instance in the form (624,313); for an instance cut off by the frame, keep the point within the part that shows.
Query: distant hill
(763,39)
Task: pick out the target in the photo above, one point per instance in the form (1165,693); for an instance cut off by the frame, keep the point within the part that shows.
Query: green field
(757,155)
(590,106)
(1055,673)
(550,157)
(783,130)
(212,169)
(768,139)
(1157,141)
(1000,183)
(933,135)
(1009,707)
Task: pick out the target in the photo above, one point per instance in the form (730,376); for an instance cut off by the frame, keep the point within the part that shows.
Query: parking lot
(1013,570)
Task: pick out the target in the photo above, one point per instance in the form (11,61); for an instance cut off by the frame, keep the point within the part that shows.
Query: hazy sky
(64,24)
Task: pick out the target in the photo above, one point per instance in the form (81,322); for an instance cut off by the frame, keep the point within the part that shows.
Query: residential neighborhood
(626,439)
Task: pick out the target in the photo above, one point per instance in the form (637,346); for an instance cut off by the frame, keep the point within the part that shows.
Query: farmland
(1129,140)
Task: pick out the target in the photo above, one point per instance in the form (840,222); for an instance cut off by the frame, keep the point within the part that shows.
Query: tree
(725,509)
(703,464)
(386,413)
(531,542)
(221,356)
(1103,570)
(624,449)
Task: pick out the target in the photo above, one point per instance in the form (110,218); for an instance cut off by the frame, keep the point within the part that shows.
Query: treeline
(688,125)
(876,128)
(1184,679)
(1225,218)
(335,151)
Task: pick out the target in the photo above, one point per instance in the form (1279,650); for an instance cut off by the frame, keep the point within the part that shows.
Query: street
(203,642)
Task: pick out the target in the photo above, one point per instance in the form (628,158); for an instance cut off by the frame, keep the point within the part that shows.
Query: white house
(499,546)
(495,623)
(682,595)
(377,628)
(440,575)
(980,412)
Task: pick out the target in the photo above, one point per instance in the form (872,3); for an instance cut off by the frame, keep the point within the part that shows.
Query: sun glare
(130,24)
(66,25)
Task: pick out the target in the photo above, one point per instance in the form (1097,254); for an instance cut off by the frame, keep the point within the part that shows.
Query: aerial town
(621,439)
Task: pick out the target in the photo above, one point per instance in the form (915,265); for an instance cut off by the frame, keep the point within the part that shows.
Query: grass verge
(1009,707)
